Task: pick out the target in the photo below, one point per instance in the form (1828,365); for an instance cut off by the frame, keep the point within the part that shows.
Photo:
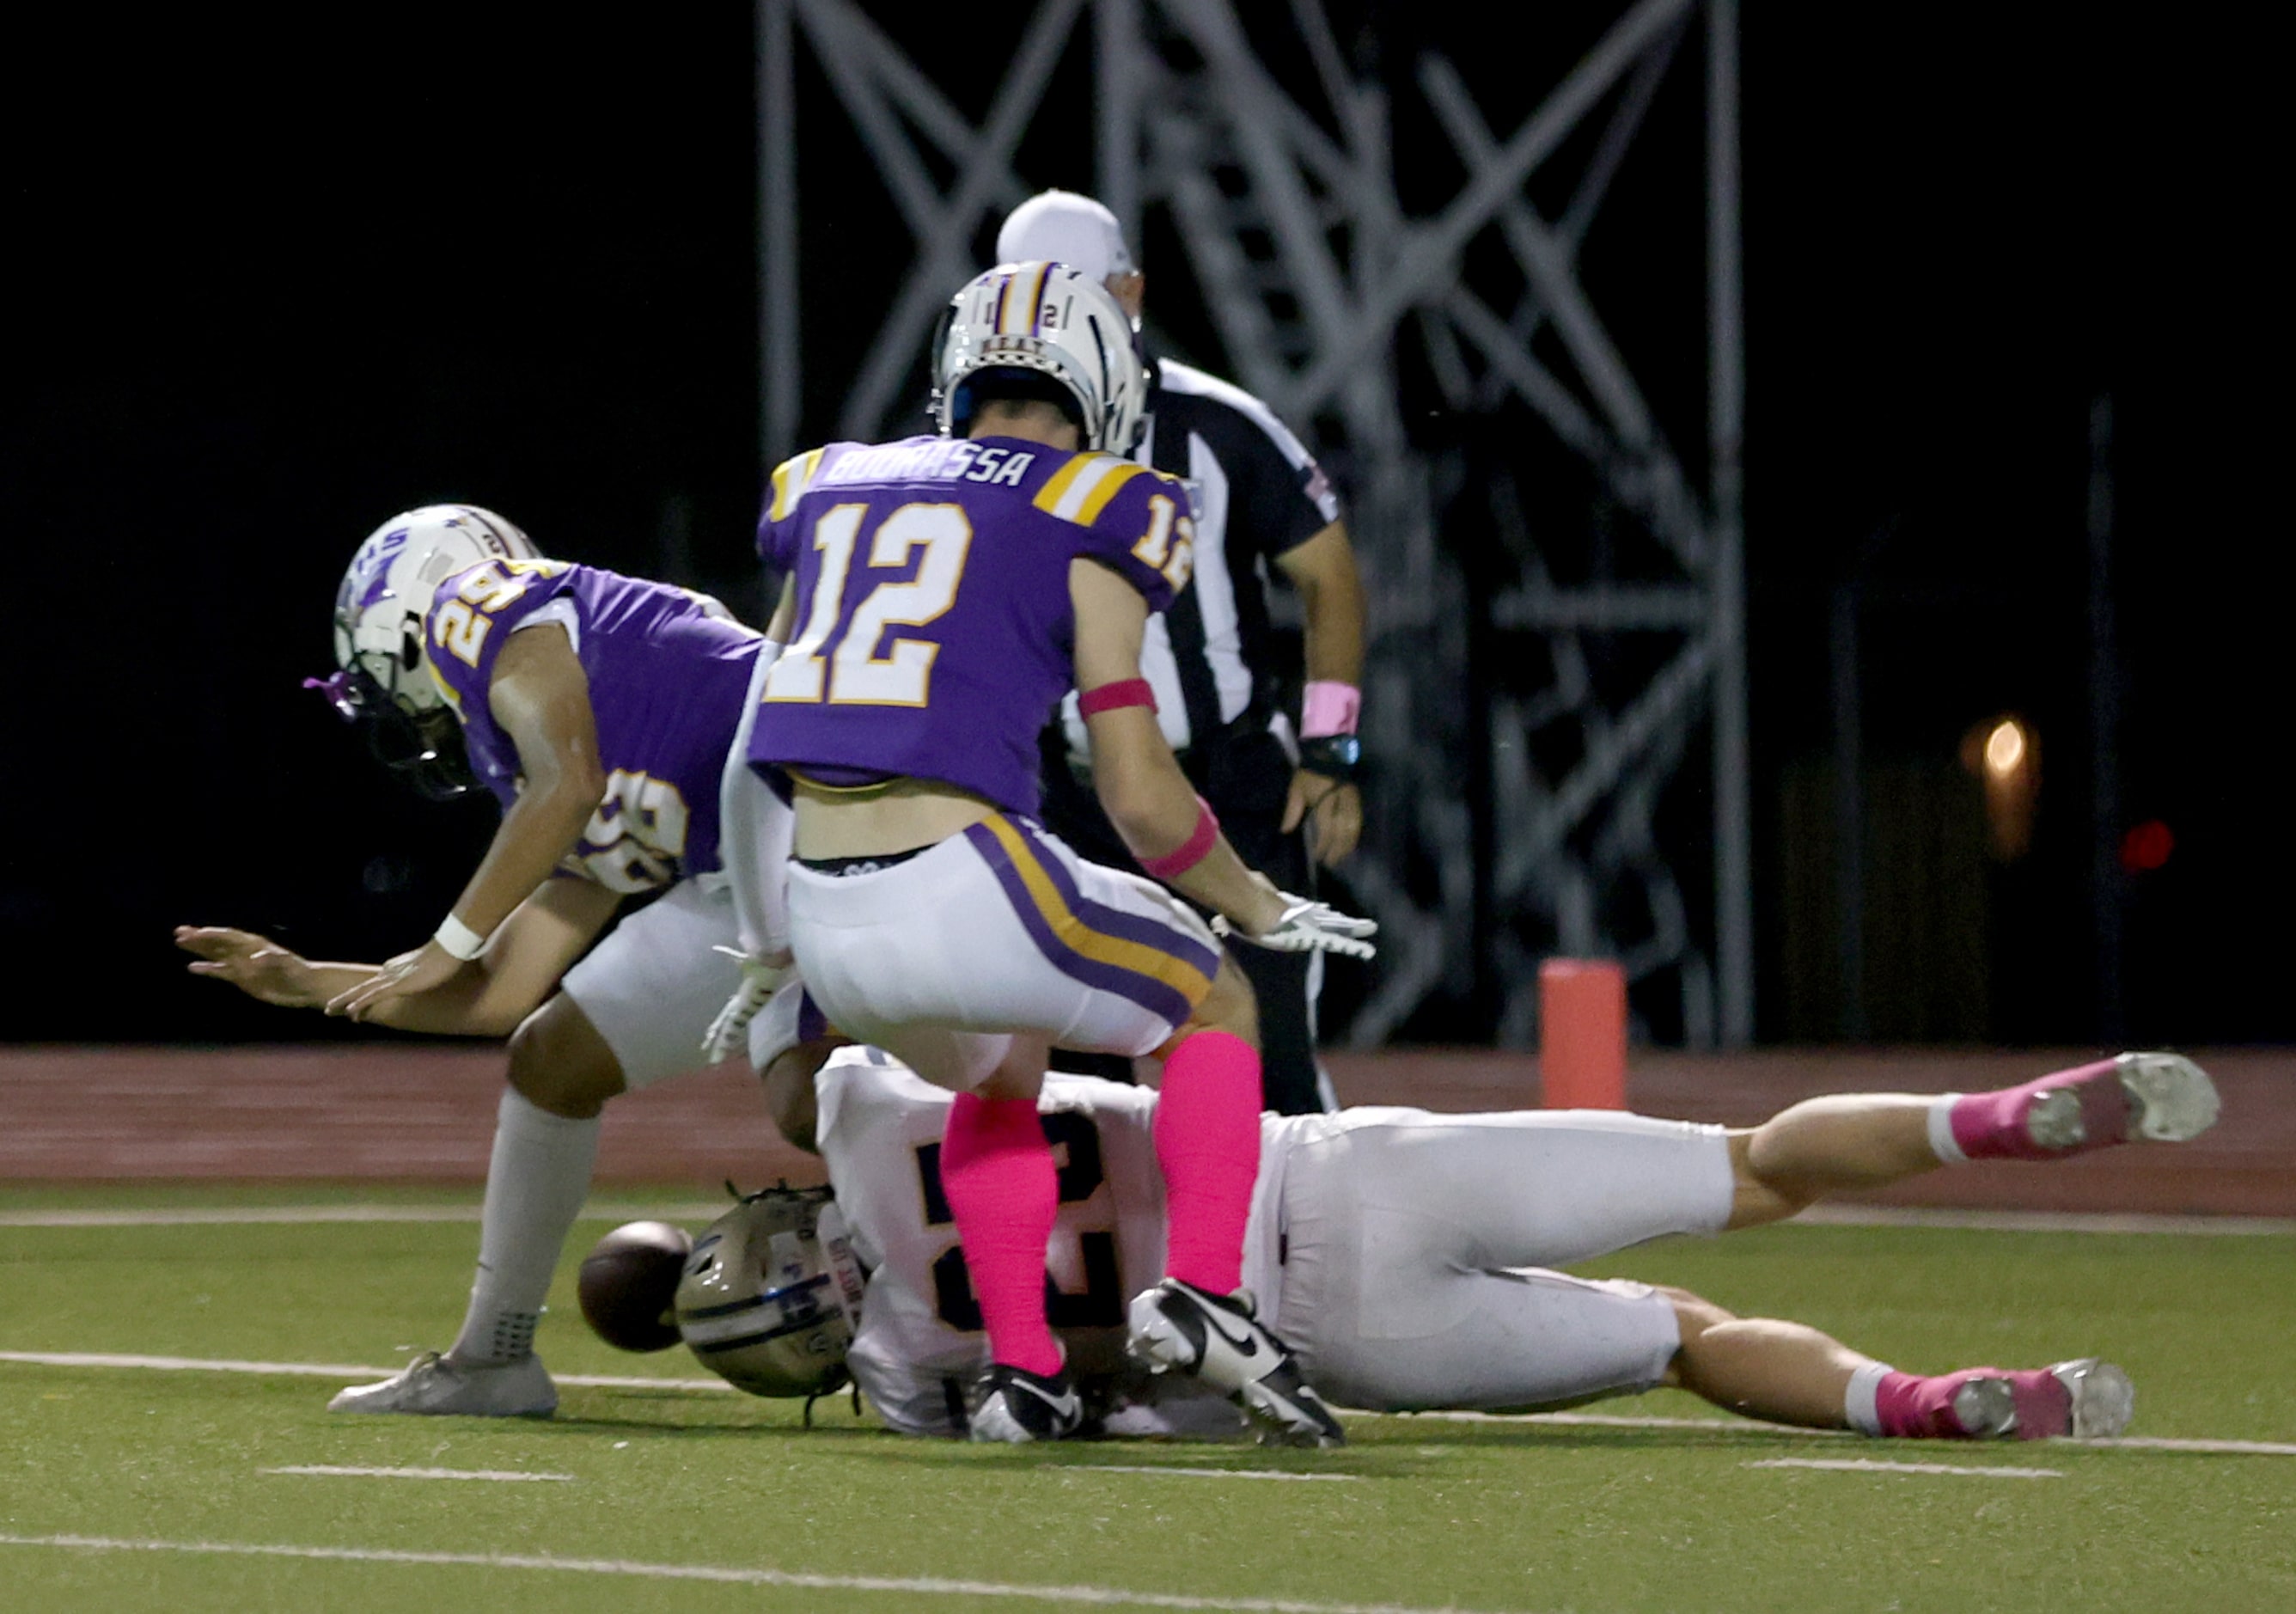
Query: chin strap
(337,690)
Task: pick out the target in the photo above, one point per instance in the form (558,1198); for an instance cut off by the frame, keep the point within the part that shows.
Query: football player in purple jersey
(600,710)
(946,592)
(1283,779)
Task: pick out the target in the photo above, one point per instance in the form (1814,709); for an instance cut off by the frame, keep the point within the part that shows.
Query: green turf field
(665,1485)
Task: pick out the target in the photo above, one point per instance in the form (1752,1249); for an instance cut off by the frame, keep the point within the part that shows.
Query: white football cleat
(2155,1098)
(1219,1341)
(433,1384)
(2171,1098)
(2102,1398)
(2082,1399)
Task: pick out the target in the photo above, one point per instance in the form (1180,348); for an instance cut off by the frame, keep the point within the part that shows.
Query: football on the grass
(630,1284)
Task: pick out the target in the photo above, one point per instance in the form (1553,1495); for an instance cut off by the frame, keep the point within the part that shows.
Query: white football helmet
(384,684)
(771,1295)
(1049,320)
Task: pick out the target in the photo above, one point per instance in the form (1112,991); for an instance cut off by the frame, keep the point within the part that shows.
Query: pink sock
(1992,1125)
(1911,1408)
(1207,1143)
(997,1171)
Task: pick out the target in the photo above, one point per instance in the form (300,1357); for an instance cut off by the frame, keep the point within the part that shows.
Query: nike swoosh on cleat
(1063,1406)
(1248,1344)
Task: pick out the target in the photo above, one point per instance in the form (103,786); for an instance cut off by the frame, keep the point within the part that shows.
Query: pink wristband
(1190,852)
(1109,697)
(1329,708)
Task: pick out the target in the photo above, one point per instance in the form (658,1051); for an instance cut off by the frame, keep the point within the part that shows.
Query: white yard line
(297,1215)
(305,1370)
(316,1370)
(328,1471)
(336,1370)
(638,1381)
(2228,1449)
(1861,1465)
(1164,1468)
(2142,1443)
(1620,1420)
(1096,1596)
(2036,1220)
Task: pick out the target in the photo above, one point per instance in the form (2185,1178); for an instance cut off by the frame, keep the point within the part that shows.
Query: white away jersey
(921,1343)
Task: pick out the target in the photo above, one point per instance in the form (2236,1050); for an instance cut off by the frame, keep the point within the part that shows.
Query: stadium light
(2005,748)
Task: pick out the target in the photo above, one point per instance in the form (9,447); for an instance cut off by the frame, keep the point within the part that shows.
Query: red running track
(420,1112)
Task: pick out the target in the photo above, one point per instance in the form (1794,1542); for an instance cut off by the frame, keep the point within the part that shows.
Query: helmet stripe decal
(726,1309)
(1072,329)
(1107,391)
(717,1347)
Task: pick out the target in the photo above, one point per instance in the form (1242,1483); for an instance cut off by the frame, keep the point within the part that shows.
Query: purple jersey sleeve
(1137,520)
(778,537)
(668,672)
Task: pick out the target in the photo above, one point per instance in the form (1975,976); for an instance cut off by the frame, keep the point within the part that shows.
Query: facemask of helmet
(1049,321)
(771,1295)
(384,684)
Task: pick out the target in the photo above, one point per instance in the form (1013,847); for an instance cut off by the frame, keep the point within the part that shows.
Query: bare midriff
(897,816)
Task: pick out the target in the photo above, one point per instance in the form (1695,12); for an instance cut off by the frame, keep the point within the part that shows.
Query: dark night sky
(274,286)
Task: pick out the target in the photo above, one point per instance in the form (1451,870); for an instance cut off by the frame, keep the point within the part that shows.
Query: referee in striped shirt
(1284,791)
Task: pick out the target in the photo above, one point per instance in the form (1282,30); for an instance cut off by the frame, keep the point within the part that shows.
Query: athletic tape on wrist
(1109,697)
(1329,708)
(1190,852)
(458,939)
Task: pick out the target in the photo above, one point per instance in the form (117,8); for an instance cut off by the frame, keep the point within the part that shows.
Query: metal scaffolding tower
(1321,286)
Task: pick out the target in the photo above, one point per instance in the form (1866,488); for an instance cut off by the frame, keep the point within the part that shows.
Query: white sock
(536,1184)
(1941,1138)
(1858,1405)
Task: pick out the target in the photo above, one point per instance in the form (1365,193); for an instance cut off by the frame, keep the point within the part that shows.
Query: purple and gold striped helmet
(1044,319)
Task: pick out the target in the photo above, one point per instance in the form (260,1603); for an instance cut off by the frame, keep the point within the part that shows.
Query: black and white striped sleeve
(1278,497)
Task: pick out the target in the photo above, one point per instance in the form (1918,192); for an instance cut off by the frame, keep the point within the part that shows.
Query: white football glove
(729,1032)
(1308,926)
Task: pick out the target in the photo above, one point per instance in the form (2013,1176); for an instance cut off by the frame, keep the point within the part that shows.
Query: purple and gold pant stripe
(1163,969)
(812,1024)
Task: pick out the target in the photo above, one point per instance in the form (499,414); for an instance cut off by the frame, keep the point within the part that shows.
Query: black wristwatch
(1333,756)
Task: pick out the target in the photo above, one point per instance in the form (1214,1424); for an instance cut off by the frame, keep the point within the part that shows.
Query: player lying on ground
(951,591)
(600,710)
(1404,1254)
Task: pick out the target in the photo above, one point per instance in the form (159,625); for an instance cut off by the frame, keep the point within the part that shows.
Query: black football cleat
(1219,1341)
(1020,1406)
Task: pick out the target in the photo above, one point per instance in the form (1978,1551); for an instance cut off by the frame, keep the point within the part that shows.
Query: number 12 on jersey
(836,655)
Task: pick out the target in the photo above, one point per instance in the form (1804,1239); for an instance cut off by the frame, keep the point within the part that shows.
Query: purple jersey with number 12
(934,632)
(668,670)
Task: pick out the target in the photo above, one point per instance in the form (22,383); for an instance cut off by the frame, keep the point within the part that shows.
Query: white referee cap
(1066,228)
